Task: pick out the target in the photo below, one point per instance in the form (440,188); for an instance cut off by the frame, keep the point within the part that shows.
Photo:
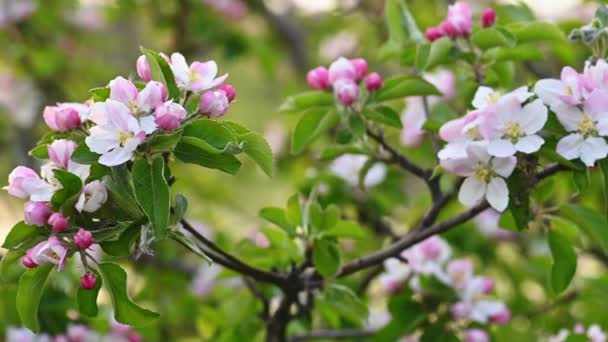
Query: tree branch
(332,334)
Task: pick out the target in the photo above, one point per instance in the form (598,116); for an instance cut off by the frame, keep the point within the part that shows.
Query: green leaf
(308,100)
(87,299)
(212,132)
(346,229)
(326,257)
(20,233)
(294,211)
(191,245)
(83,155)
(356,125)
(581,179)
(258,149)
(346,303)
(100,94)
(401,24)
(334,151)
(442,52)
(10,266)
(384,115)
(312,124)
(121,191)
(520,53)
(125,311)
(492,37)
(197,151)
(31,287)
(593,223)
(564,261)
(71,187)
(163,142)
(161,71)
(152,193)
(519,199)
(526,32)
(181,206)
(404,86)
(40,152)
(122,246)
(278,217)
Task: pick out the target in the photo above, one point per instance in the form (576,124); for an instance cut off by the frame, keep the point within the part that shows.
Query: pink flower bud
(373,82)
(143,68)
(27,259)
(213,103)
(36,213)
(58,222)
(448,29)
(488,17)
(229,90)
(347,91)
(88,281)
(83,239)
(433,33)
(461,310)
(340,69)
(169,115)
(501,317)
(19,181)
(62,117)
(476,335)
(318,78)
(487,285)
(360,65)
(60,152)
(460,17)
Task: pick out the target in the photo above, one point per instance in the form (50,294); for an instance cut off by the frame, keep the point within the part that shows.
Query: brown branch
(332,334)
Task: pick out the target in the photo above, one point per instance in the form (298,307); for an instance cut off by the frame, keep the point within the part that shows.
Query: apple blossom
(60,152)
(373,82)
(428,256)
(143,68)
(58,222)
(83,239)
(24,182)
(342,69)
(448,29)
(92,197)
(62,117)
(27,260)
(146,100)
(318,78)
(484,176)
(476,335)
(395,274)
(461,310)
(347,91)
(460,17)
(213,103)
(88,281)
(169,115)
(433,33)
(198,76)
(569,90)
(459,272)
(51,251)
(595,334)
(487,222)
(486,97)
(229,90)
(488,17)
(360,65)
(36,213)
(117,133)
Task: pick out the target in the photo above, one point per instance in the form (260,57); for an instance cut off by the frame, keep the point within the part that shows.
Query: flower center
(473,132)
(514,130)
(133,106)
(124,138)
(55,255)
(569,91)
(586,125)
(483,172)
(493,97)
(193,76)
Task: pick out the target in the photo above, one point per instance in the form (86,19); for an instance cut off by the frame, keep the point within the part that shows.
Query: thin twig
(332,334)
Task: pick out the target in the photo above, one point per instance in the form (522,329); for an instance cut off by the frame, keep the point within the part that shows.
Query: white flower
(486,96)
(485,176)
(514,127)
(596,334)
(569,90)
(348,167)
(196,77)
(394,275)
(92,197)
(587,126)
(117,134)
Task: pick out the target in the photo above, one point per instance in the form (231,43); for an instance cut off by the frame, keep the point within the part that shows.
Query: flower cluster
(482,144)
(343,77)
(15,11)
(431,258)
(76,333)
(459,22)
(593,334)
(580,103)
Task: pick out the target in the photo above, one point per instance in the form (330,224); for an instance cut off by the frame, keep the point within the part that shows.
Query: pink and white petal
(568,116)
(570,146)
(529,144)
(147,124)
(593,149)
(501,148)
(122,90)
(480,100)
(97,113)
(504,166)
(115,157)
(478,152)
(180,68)
(550,90)
(451,130)
(602,125)
(532,117)
(216,82)
(507,109)
(497,194)
(596,103)
(453,150)
(522,94)
(39,190)
(150,97)
(101,140)
(461,167)
(118,115)
(206,71)
(471,191)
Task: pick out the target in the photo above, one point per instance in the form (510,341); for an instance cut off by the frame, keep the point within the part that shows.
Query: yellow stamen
(586,125)
(493,97)
(482,172)
(514,130)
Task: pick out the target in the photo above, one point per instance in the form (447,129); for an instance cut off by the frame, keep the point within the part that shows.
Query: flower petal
(115,157)
(529,144)
(471,191)
(570,146)
(481,97)
(593,149)
(532,117)
(504,166)
(568,116)
(550,91)
(501,148)
(498,194)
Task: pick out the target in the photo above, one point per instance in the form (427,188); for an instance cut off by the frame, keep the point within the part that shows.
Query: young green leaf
(564,261)
(20,233)
(31,287)
(312,124)
(491,37)
(307,100)
(71,186)
(326,257)
(191,245)
(40,152)
(161,71)
(83,155)
(383,115)
(526,32)
(152,193)
(593,223)
(197,151)
(346,303)
(278,216)
(258,149)
(403,86)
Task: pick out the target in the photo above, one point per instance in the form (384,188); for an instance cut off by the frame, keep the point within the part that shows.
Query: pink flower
(213,103)
(448,29)
(24,182)
(36,213)
(501,317)
(488,17)
(196,77)
(476,335)
(487,285)
(93,196)
(395,274)
(58,222)
(62,117)
(373,82)
(143,68)
(229,90)
(428,256)
(433,33)
(27,260)
(124,91)
(169,115)
(360,65)
(342,69)
(318,78)
(88,281)
(51,251)
(346,90)
(460,17)
(460,271)
(461,310)
(83,239)
(60,152)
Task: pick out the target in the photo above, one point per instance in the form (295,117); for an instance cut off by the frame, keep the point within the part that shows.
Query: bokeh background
(55,51)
